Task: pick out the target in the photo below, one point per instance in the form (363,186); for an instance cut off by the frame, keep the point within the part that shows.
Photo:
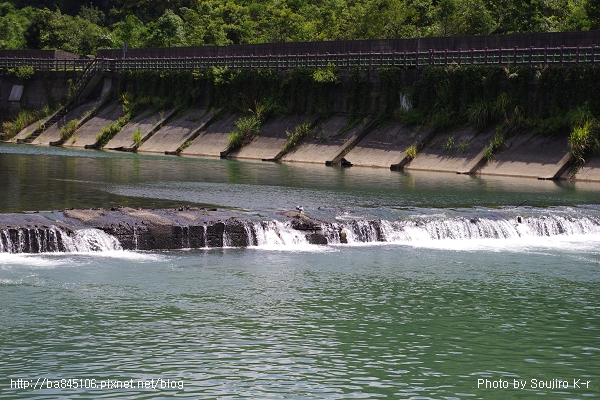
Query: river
(442,313)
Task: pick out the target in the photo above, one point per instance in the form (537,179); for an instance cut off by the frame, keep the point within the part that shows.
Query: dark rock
(316,238)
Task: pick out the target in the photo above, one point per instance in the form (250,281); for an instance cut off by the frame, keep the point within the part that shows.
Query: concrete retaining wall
(86,134)
(174,134)
(214,140)
(38,91)
(146,123)
(330,140)
(460,159)
(384,147)
(52,134)
(531,157)
(271,139)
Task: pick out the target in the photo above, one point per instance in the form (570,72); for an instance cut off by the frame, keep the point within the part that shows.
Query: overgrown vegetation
(411,152)
(248,128)
(108,132)
(136,137)
(67,130)
(24,119)
(22,73)
(262,91)
(294,138)
(497,142)
(583,140)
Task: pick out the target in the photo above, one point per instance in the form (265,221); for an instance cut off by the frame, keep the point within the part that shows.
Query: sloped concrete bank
(332,141)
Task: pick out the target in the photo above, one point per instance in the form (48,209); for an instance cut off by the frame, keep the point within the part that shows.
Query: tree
(167,31)
(592,9)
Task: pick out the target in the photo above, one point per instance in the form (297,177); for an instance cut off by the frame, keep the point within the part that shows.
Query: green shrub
(498,141)
(137,138)
(108,132)
(23,73)
(23,120)
(301,131)
(411,152)
(449,143)
(248,128)
(583,140)
(67,130)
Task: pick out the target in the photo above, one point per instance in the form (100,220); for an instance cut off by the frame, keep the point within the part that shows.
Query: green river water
(420,319)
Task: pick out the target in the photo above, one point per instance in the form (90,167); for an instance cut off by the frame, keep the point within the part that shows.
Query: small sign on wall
(16,93)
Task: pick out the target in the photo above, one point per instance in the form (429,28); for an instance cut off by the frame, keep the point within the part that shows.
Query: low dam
(193,228)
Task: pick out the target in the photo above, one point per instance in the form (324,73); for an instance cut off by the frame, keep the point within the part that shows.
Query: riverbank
(469,120)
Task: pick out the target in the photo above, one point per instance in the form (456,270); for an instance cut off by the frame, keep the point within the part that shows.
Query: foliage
(584,138)
(108,132)
(67,130)
(84,27)
(262,91)
(23,120)
(137,138)
(497,142)
(449,143)
(248,128)
(22,73)
(293,138)
(411,152)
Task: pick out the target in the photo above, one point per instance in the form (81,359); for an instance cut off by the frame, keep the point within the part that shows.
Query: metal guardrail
(518,56)
(565,56)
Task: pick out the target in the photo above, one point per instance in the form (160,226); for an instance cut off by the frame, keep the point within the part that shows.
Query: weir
(129,229)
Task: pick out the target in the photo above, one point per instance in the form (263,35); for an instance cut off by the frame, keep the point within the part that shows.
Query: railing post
(577,59)
(431,57)
(530,55)
(515,57)
(562,54)
(485,58)
(546,55)
(593,54)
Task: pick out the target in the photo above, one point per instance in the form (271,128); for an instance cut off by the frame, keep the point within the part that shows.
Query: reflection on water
(68,178)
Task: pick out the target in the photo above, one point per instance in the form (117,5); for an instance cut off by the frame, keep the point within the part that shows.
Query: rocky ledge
(141,229)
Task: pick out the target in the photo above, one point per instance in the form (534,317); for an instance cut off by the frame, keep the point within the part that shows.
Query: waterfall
(414,229)
(270,233)
(55,239)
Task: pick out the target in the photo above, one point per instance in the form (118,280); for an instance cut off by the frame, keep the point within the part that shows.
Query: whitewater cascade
(242,233)
(54,239)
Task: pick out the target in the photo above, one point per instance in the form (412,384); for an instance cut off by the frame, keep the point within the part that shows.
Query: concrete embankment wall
(355,121)
(38,91)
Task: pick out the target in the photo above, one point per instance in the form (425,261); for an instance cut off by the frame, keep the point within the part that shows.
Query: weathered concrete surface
(531,157)
(385,146)
(329,141)
(80,113)
(86,134)
(147,123)
(271,139)
(462,159)
(174,134)
(214,140)
(589,172)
